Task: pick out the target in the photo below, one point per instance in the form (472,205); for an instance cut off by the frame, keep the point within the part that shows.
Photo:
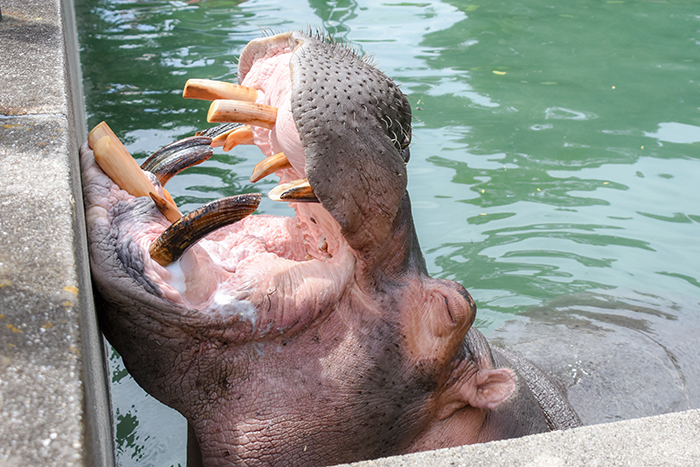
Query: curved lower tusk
(226,110)
(270,165)
(298,191)
(209,90)
(172,159)
(192,227)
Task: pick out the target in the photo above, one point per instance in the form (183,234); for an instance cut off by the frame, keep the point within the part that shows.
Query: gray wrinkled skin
(288,354)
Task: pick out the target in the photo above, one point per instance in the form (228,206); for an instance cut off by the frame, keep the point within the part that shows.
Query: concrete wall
(54,408)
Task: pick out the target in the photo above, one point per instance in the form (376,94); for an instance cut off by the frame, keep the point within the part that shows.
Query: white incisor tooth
(269,165)
(251,113)
(209,90)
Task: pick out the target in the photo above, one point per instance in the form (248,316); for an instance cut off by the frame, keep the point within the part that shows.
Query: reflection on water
(673,132)
(147,433)
(556,144)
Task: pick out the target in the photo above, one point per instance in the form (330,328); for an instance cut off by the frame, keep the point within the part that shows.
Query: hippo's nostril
(405,151)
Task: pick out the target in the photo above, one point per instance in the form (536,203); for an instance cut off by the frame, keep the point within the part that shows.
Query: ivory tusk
(220,133)
(226,110)
(243,135)
(209,90)
(117,163)
(172,159)
(192,227)
(296,191)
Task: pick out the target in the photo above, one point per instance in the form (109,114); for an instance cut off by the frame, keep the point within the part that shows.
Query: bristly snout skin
(311,340)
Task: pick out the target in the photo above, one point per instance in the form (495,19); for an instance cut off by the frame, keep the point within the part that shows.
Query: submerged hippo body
(316,339)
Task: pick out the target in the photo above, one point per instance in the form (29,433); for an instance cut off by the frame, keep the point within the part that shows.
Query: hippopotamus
(315,339)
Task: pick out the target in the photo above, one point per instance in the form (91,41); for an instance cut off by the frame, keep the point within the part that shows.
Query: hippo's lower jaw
(311,340)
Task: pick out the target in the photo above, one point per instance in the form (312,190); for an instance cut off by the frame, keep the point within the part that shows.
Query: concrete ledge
(54,408)
(668,440)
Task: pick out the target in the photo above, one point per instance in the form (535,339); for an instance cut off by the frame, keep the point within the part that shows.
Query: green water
(556,144)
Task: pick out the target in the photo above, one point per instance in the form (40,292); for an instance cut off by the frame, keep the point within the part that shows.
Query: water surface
(556,144)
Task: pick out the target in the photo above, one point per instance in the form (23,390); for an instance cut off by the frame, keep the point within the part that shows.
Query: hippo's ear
(486,389)
(493,387)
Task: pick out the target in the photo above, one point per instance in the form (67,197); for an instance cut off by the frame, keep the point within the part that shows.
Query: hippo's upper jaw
(310,340)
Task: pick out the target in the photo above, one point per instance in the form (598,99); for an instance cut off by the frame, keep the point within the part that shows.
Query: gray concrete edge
(662,440)
(98,426)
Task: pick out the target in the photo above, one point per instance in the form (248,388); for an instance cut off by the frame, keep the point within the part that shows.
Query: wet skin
(317,339)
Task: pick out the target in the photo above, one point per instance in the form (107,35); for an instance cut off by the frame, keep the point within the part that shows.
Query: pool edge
(98,426)
(662,440)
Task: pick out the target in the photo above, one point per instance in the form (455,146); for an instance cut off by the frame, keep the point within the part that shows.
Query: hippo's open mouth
(266,317)
(335,126)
